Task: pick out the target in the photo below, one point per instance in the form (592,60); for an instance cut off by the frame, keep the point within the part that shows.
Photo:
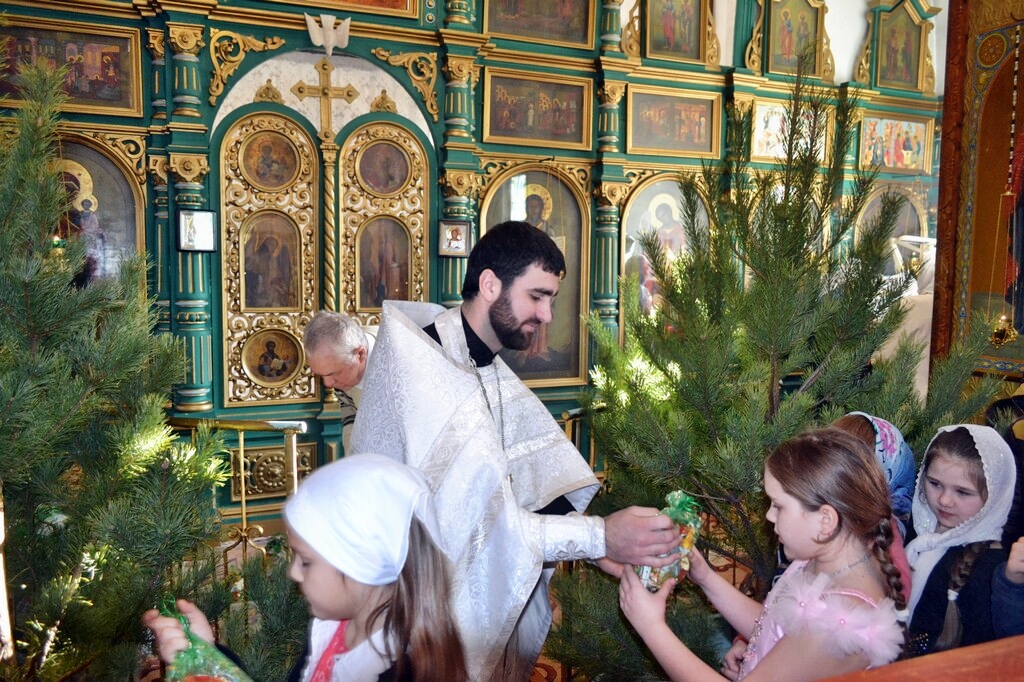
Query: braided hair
(959,445)
(831,466)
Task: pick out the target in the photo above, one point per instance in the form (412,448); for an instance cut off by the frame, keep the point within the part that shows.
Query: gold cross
(325,91)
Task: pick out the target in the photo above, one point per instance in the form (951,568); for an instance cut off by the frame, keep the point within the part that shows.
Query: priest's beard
(507,328)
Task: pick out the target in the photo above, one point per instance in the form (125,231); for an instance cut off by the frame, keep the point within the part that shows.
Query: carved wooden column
(611,26)
(460,189)
(186,41)
(459,14)
(609,120)
(604,293)
(158,96)
(162,242)
(191,294)
(458,101)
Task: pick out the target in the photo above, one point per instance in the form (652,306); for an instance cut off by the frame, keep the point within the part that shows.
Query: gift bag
(201,661)
(684,512)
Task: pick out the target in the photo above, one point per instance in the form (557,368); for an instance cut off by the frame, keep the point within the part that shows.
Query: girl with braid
(836,607)
(963,590)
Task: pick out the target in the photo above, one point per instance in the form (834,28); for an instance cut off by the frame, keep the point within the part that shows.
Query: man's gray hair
(334,331)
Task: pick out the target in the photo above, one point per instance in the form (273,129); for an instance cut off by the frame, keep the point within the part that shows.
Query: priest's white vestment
(493,455)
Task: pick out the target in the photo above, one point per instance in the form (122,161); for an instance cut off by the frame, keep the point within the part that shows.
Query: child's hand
(169,632)
(733,658)
(1015,564)
(641,607)
(700,570)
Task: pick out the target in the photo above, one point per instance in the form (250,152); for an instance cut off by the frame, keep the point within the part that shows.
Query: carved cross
(325,92)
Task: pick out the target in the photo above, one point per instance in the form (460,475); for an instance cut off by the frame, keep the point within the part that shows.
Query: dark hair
(958,444)
(831,466)
(508,249)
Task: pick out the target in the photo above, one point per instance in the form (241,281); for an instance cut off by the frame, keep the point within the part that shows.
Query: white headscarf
(1000,476)
(356,514)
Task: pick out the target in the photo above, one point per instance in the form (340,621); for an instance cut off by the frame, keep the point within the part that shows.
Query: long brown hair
(420,634)
(831,466)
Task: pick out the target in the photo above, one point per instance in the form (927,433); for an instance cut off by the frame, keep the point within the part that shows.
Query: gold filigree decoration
(459,183)
(714,53)
(227,50)
(422,70)
(828,63)
(631,32)
(862,73)
(186,38)
(986,15)
(189,167)
(406,204)
(928,80)
(268,470)
(130,149)
(291,212)
(383,102)
(752,59)
(155,42)
(268,92)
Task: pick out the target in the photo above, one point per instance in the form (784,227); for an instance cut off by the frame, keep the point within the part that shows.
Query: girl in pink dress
(837,608)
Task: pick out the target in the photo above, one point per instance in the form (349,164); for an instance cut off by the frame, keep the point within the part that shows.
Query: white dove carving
(327,34)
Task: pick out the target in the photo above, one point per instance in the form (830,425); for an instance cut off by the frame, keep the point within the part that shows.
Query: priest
(510,488)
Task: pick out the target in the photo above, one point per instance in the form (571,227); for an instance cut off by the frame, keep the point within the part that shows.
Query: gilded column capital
(459,183)
(186,38)
(155,42)
(458,68)
(611,193)
(158,168)
(189,167)
(611,92)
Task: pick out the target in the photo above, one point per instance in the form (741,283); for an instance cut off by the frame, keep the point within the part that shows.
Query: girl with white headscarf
(363,535)
(960,574)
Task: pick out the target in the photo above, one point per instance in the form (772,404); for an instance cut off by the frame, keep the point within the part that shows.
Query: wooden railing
(995,661)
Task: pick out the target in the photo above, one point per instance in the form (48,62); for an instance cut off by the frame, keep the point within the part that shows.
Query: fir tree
(101,501)
(768,324)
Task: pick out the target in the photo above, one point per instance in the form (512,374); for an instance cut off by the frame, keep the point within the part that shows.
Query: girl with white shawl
(960,577)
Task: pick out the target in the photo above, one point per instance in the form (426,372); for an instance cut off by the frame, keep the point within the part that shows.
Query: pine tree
(768,324)
(101,502)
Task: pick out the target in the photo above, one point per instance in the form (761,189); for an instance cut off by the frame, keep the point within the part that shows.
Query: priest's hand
(169,632)
(641,536)
(612,568)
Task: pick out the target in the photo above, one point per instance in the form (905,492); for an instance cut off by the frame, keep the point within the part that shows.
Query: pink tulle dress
(800,602)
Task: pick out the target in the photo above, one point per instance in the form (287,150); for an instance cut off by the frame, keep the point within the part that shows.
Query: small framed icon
(454,237)
(197,230)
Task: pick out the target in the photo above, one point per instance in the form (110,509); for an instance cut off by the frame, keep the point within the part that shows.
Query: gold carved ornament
(227,50)
(422,70)
(285,206)
(364,203)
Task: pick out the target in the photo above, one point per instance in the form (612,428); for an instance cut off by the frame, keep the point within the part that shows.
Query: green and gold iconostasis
(277,157)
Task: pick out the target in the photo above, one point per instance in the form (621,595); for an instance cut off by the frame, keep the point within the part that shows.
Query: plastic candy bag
(685,512)
(201,661)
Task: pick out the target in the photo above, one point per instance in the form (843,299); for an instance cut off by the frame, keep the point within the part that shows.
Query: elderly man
(509,487)
(337,349)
